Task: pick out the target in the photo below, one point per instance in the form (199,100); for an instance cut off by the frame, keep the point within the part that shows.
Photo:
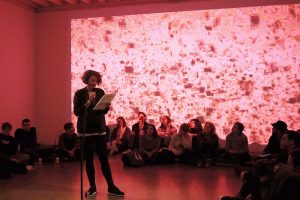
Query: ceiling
(50,5)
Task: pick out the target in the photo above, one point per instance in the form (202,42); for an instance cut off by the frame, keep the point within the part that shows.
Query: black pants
(100,143)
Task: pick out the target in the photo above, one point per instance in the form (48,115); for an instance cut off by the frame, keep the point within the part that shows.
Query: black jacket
(95,118)
(10,148)
(26,140)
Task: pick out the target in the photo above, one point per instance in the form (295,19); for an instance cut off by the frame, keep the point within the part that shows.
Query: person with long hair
(92,122)
(180,145)
(149,144)
(195,126)
(207,145)
(121,138)
(166,130)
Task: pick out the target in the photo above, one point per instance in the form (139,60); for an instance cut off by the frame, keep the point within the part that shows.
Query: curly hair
(88,73)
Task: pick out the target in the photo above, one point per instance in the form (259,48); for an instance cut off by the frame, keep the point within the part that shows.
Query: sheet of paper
(102,103)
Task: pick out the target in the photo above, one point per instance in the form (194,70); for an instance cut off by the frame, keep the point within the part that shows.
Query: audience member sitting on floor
(27,140)
(121,138)
(69,147)
(149,144)
(180,146)
(166,130)
(139,128)
(237,150)
(8,144)
(267,179)
(8,149)
(289,141)
(26,137)
(289,187)
(207,145)
(273,146)
(195,127)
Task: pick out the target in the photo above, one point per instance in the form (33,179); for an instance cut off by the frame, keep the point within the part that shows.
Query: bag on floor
(133,159)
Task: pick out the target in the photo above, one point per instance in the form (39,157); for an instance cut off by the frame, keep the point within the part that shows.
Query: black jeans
(100,143)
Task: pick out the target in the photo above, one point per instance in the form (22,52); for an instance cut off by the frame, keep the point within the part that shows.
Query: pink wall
(54,57)
(17,64)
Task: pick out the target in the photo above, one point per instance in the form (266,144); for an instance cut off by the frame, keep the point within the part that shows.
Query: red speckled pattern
(219,65)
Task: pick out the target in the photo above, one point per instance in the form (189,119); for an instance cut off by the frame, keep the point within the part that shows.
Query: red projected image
(226,65)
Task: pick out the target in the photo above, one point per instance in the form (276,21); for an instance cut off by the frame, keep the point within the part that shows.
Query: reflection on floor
(52,181)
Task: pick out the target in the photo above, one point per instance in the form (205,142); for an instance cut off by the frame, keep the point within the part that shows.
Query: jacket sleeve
(78,104)
(34,137)
(245,148)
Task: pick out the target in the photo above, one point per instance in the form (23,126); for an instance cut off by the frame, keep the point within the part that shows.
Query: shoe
(208,163)
(200,163)
(91,192)
(115,191)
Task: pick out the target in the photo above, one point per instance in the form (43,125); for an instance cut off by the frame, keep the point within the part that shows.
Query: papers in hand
(102,103)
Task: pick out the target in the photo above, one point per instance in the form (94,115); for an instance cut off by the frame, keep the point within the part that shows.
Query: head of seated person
(69,128)
(26,125)
(151,131)
(278,129)
(290,141)
(6,128)
(195,126)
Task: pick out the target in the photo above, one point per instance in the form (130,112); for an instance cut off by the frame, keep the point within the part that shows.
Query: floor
(52,181)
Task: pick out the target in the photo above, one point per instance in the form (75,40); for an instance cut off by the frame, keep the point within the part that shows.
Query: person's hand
(92,96)
(162,149)
(119,142)
(108,105)
(149,154)
(72,153)
(5,142)
(108,145)
(14,160)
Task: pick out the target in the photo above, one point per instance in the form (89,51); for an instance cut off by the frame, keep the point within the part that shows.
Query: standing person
(84,100)
(139,128)
(166,130)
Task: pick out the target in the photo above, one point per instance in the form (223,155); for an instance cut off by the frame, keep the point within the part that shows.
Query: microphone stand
(82,149)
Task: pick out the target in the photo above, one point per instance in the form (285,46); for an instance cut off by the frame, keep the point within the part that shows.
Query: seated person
(195,127)
(166,130)
(139,128)
(180,147)
(26,137)
(288,142)
(8,151)
(121,138)
(149,144)
(273,146)
(236,150)
(68,143)
(207,145)
(8,144)
(289,187)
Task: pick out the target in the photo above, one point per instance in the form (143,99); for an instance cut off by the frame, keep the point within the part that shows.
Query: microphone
(91,90)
